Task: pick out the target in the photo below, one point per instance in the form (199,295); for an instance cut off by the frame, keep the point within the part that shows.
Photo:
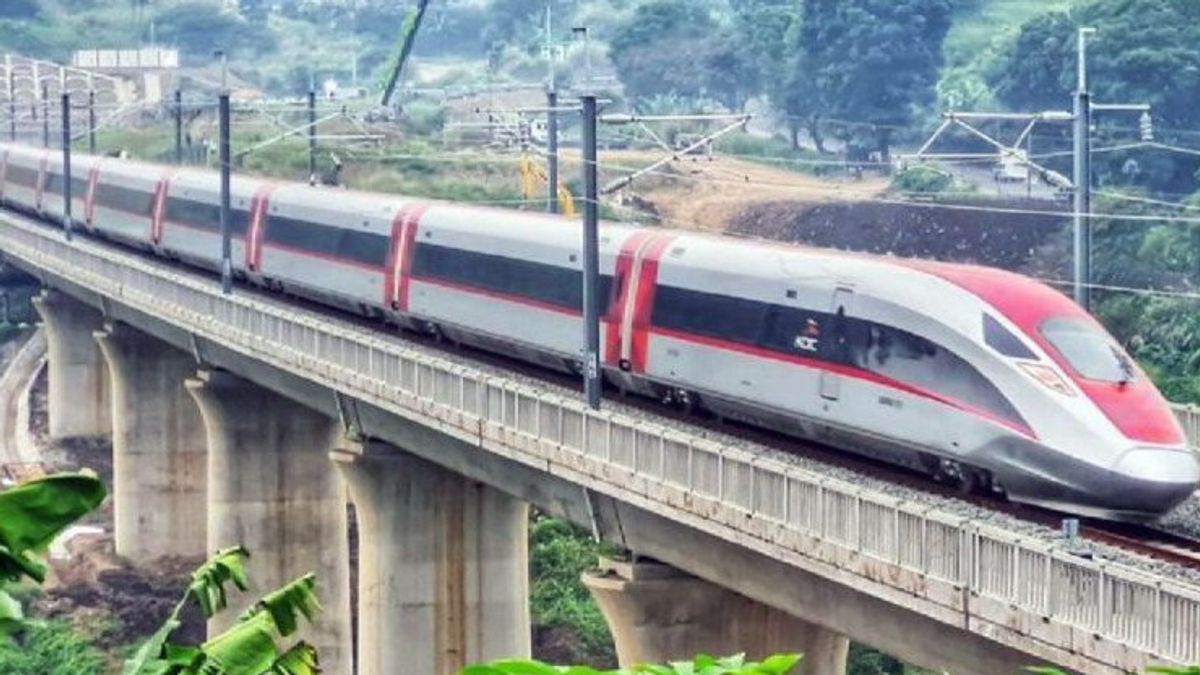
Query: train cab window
(1089,350)
(1003,341)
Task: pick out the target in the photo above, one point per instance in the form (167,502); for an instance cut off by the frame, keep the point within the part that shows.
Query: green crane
(408,35)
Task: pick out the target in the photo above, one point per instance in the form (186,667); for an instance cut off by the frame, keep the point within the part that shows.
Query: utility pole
(223,143)
(1085,109)
(581,34)
(91,121)
(68,223)
(551,115)
(178,126)
(312,132)
(1083,178)
(552,205)
(591,256)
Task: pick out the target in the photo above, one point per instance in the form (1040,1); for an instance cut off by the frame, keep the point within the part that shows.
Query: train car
(966,373)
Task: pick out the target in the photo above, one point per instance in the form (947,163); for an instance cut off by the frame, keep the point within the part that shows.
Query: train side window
(364,247)
(549,284)
(110,196)
(22,175)
(708,314)
(916,361)
(999,338)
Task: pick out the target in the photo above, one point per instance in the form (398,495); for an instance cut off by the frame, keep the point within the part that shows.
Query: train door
(831,382)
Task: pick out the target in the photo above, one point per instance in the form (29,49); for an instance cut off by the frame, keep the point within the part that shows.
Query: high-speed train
(970,374)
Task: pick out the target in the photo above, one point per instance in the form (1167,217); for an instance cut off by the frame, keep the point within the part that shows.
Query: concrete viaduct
(248,419)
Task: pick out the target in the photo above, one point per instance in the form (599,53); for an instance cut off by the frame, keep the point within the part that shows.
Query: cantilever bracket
(195,345)
(347,409)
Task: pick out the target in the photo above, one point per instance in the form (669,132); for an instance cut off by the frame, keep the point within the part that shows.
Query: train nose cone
(1161,477)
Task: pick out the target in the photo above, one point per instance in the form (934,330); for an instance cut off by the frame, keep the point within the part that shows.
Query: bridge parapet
(1084,614)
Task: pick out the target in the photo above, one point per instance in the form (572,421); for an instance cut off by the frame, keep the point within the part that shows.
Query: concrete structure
(1189,417)
(914,580)
(443,567)
(272,489)
(78,395)
(659,614)
(159,451)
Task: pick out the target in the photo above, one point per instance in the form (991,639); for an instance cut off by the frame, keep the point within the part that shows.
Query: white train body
(955,370)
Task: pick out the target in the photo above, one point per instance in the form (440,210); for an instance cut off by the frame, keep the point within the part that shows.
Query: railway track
(1146,540)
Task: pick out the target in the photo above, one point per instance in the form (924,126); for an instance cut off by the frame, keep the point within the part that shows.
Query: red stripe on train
(400,253)
(259,218)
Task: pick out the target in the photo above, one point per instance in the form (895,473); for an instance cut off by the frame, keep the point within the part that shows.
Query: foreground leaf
(208,582)
(779,664)
(147,660)
(246,649)
(34,513)
(298,597)
(11,615)
(301,659)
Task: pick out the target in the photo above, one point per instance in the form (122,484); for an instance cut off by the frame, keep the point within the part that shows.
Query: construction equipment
(534,181)
(408,35)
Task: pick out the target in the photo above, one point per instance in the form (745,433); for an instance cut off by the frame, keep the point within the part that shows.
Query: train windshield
(1089,350)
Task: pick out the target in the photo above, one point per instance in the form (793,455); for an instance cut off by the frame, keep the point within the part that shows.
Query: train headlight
(1048,377)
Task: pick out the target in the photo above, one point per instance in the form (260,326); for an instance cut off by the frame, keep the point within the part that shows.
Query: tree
(255,11)
(870,61)
(766,32)
(250,646)
(679,47)
(20,9)
(197,28)
(1144,51)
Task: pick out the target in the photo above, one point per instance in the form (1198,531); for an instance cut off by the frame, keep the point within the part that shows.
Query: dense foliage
(559,553)
(49,648)
(869,61)
(678,46)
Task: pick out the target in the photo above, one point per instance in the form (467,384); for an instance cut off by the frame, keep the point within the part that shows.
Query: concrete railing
(970,575)
(1189,417)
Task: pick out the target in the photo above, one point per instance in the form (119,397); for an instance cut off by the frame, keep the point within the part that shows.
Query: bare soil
(1034,244)
(702,194)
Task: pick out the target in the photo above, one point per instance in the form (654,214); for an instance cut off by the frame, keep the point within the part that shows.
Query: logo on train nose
(810,338)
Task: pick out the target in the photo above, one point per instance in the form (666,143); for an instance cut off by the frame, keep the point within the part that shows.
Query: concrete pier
(443,566)
(159,448)
(658,614)
(271,489)
(78,394)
